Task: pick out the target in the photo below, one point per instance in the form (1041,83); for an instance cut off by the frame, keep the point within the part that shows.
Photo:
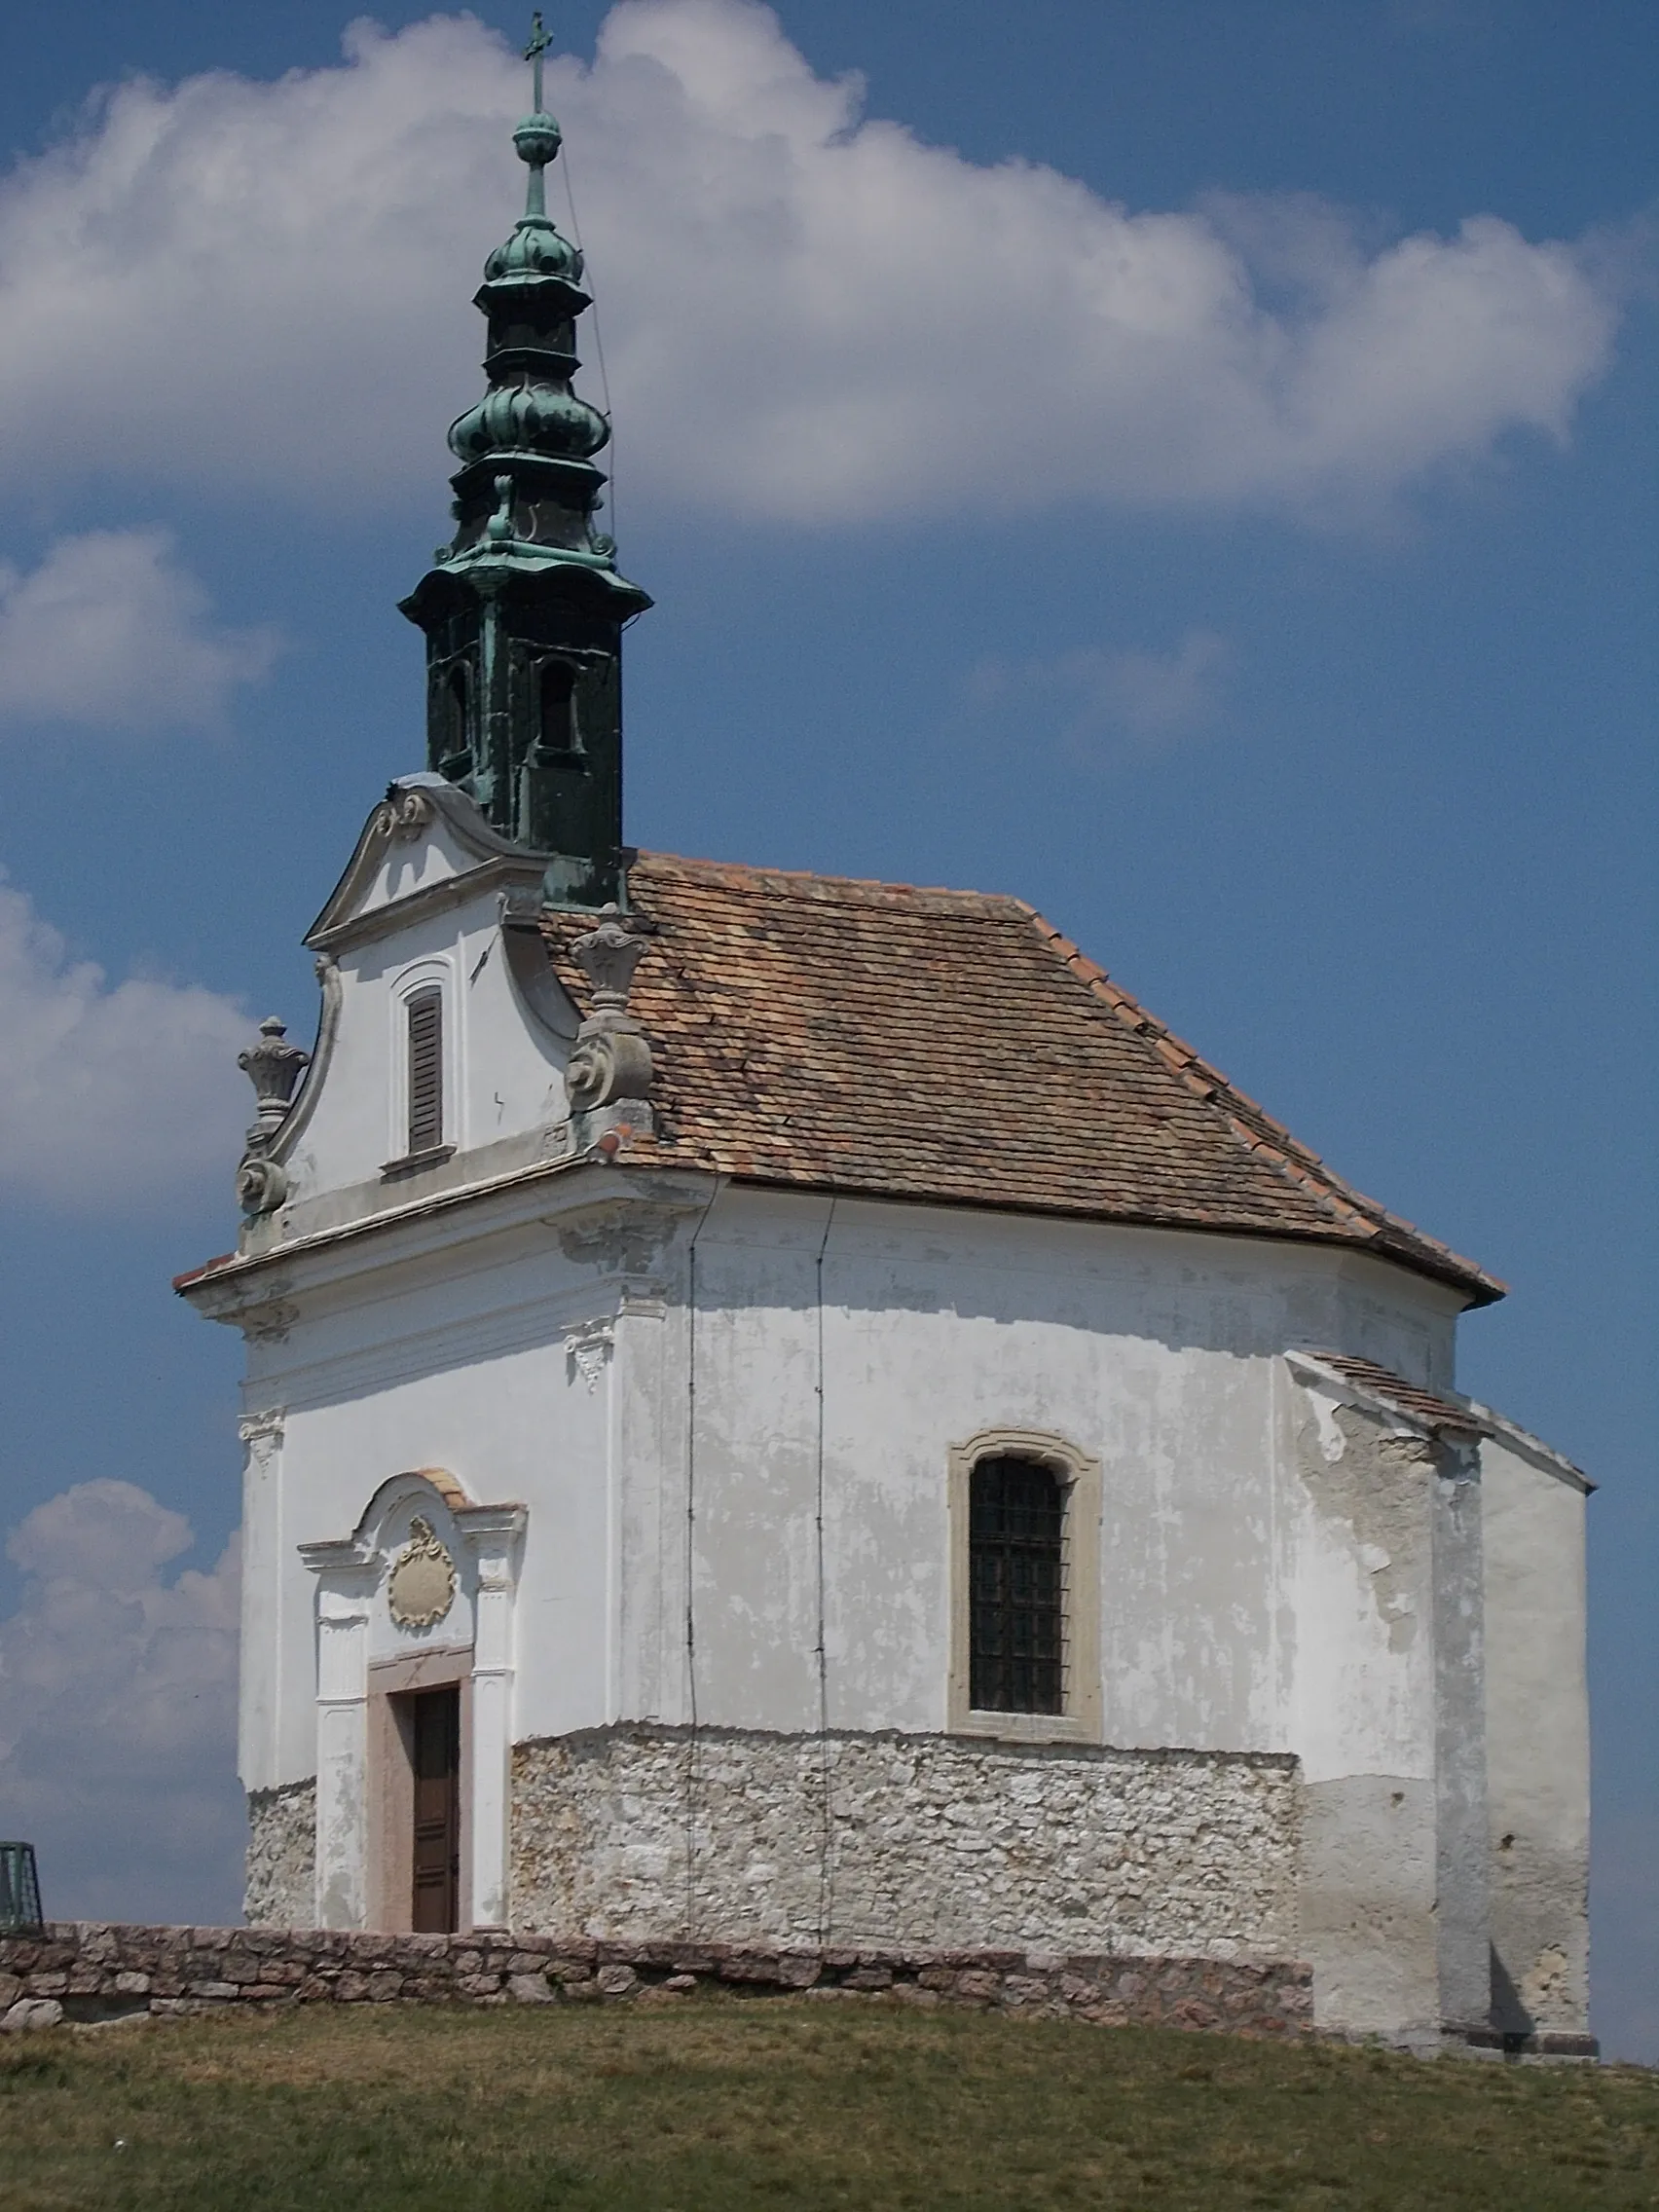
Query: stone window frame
(1079,1472)
(389,1781)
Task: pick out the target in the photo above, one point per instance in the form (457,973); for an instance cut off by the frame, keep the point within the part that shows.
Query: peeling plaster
(1371,1491)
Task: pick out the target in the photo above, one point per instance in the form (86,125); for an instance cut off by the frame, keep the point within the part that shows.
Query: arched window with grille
(1015,1578)
(424,1013)
(1025,1587)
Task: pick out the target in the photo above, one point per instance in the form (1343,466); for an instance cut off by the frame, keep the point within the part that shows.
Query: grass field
(733,2103)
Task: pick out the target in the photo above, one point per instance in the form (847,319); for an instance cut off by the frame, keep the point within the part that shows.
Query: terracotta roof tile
(1383,1382)
(951,1046)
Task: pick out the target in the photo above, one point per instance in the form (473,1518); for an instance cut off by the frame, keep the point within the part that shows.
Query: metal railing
(19,1890)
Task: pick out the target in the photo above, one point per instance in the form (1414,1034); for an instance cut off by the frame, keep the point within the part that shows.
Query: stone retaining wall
(97,1972)
(887,1841)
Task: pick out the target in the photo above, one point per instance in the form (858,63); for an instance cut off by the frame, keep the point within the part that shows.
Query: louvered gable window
(426,1071)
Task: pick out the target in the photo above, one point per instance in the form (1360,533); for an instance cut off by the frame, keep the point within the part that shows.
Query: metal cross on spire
(540,42)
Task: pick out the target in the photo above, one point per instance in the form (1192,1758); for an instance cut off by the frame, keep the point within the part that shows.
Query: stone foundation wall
(904,1841)
(280,1875)
(83,1970)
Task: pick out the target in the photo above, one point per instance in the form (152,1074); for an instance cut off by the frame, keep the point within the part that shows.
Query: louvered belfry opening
(1016,1586)
(426,1071)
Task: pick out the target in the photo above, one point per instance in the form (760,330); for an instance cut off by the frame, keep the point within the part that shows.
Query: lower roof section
(951,1046)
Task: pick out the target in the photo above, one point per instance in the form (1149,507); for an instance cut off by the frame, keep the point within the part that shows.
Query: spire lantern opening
(525,606)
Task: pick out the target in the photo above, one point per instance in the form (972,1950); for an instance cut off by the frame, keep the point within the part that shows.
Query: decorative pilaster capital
(587,1351)
(261,1432)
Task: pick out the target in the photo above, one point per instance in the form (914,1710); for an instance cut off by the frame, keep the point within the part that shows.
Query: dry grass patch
(733,2103)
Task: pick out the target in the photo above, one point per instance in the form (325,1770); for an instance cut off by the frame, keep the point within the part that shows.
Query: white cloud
(1144,700)
(111,632)
(111,1097)
(118,1710)
(808,316)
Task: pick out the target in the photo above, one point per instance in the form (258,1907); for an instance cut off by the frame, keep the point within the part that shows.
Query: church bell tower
(524,610)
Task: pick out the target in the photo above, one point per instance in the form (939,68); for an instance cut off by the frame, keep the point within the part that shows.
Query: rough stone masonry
(86,1970)
(636,1833)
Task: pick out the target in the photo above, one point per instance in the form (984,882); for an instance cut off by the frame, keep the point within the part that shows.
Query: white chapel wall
(563,1383)
(1156,1352)
(465,1369)
(503,1071)
(1537,1737)
(554,1358)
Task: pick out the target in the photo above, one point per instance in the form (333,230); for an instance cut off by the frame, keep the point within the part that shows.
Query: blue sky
(1291,646)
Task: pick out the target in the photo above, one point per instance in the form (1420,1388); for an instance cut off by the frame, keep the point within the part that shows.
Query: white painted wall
(504,1074)
(467,1372)
(563,1382)
(1538,1735)
(1158,1352)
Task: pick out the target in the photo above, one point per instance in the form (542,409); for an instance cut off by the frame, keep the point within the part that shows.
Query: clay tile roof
(951,1046)
(1383,1382)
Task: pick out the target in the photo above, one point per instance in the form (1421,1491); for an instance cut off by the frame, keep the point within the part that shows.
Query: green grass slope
(735,2104)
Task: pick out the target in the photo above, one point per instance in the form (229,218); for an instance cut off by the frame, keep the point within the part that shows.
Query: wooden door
(435,1751)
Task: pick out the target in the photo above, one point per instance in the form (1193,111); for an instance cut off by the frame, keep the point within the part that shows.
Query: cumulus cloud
(110,632)
(113,1097)
(1142,700)
(118,1710)
(809,314)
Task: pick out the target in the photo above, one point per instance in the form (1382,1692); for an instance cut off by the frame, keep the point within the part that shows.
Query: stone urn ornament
(273,1067)
(611,1058)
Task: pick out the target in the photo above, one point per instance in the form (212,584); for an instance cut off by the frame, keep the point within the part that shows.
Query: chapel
(792,1409)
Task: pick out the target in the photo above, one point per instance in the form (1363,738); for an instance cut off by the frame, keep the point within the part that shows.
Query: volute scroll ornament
(610,1065)
(402,814)
(421,1588)
(262,1184)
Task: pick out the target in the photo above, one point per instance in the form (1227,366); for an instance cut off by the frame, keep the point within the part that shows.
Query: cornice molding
(549,1192)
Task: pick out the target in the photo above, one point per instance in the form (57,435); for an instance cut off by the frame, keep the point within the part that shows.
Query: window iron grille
(1016,1586)
(19,1890)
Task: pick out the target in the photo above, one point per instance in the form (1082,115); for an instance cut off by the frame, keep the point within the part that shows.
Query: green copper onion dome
(534,250)
(523,609)
(532,294)
(532,416)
